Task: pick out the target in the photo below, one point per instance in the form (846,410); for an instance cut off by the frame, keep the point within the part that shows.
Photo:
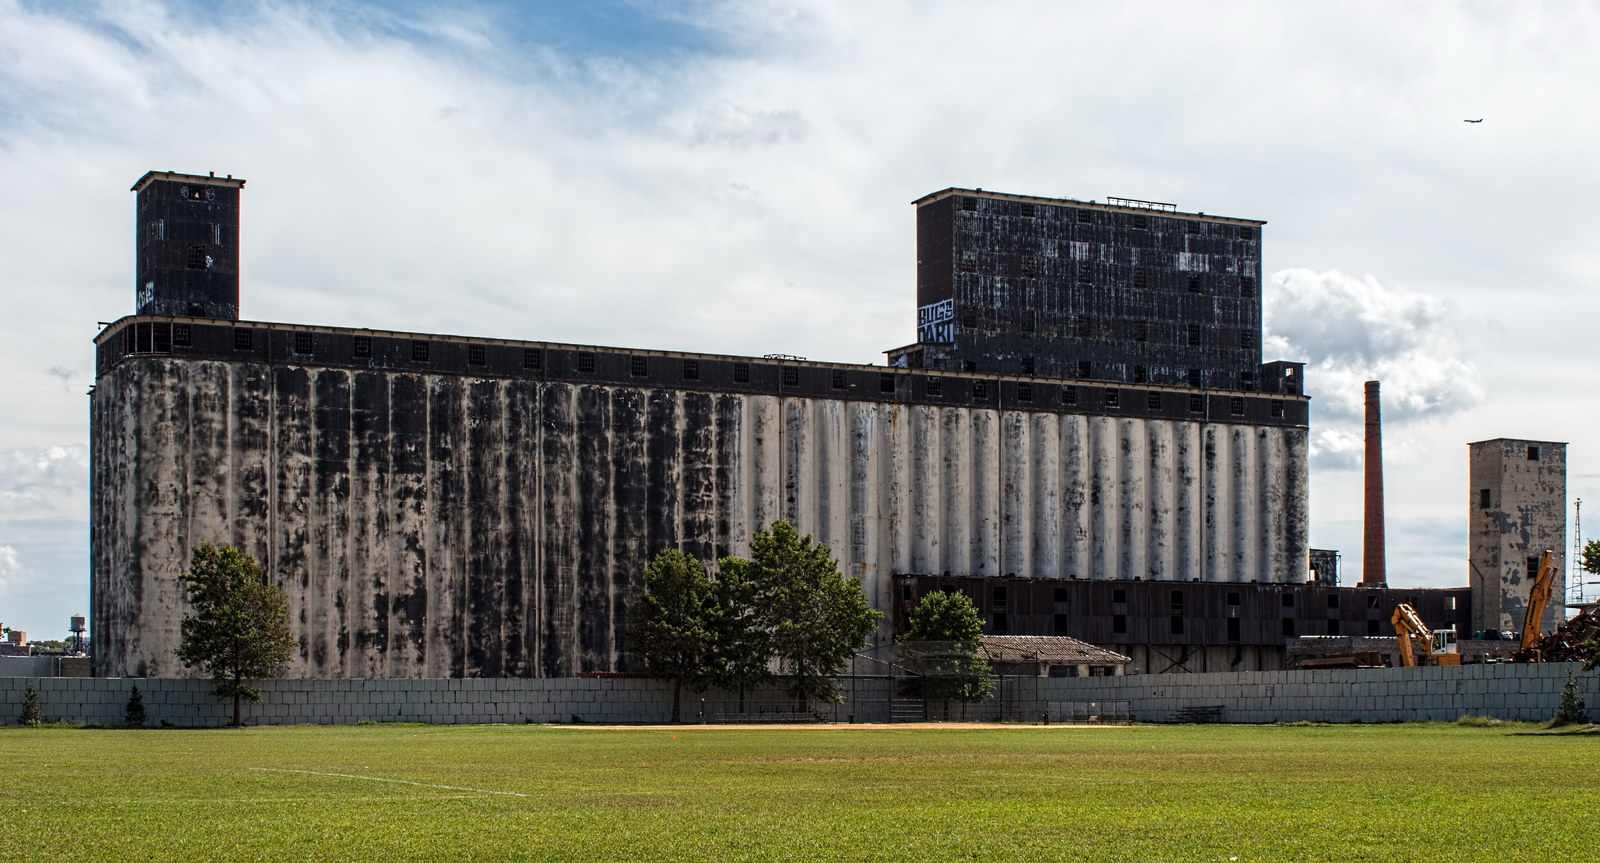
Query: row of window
(1136,221)
(1083,272)
(1138,330)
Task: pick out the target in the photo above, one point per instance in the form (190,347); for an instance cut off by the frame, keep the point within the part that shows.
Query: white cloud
(1352,330)
(10,568)
(44,481)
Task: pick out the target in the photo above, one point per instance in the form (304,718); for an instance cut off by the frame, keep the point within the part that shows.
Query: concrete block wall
(1444,694)
(1523,692)
(189,703)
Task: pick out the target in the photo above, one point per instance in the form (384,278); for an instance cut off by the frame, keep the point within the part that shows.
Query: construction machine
(1418,644)
(1538,597)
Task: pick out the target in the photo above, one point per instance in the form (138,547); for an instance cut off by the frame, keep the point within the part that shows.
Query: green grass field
(1395,792)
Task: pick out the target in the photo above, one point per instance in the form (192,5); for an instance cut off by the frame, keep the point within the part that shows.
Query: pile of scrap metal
(1570,643)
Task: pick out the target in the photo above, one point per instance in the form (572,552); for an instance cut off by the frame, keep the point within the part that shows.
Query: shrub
(31,716)
(134,716)
(1571,710)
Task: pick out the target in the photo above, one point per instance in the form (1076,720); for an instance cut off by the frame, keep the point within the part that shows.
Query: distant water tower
(77,624)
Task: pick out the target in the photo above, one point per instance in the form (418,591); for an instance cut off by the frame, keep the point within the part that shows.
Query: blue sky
(735,177)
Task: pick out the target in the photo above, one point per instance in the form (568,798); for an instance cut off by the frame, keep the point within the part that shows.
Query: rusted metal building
(449,506)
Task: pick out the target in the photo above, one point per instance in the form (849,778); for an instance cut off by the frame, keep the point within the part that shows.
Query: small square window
(1025,211)
(1288,627)
(1058,624)
(477,355)
(180,335)
(1062,594)
(1140,374)
(419,351)
(638,366)
(1236,406)
(1333,600)
(1485,500)
(1533,451)
(1139,222)
(1139,277)
(691,370)
(969,204)
(741,373)
(1154,401)
(1119,595)
(532,358)
(1247,381)
(1372,600)
(1113,398)
(243,339)
(1247,286)
(1247,338)
(1024,392)
(1027,365)
(1085,217)
(1119,623)
(1194,378)
(302,343)
(1069,395)
(1196,404)
(1085,369)
(1233,629)
(935,387)
(1277,409)
(1085,271)
(1176,598)
(1372,627)
(791,376)
(1333,626)
(1194,284)
(1233,597)
(362,346)
(1141,331)
(1190,226)
(837,379)
(1288,600)
(1247,233)
(886,383)
(1177,625)
(1194,334)
(1001,624)
(980,390)
(585,361)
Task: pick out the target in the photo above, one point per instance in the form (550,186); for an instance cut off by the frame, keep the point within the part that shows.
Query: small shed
(1050,656)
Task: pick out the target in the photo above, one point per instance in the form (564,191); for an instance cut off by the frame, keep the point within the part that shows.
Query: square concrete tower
(1518,508)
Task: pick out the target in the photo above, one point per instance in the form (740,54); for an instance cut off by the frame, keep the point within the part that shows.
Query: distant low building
(1050,656)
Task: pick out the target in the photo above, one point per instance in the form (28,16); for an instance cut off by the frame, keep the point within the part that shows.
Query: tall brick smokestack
(1372,562)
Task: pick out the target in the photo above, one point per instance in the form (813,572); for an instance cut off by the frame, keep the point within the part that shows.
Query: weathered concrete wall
(1525,692)
(1517,508)
(450,526)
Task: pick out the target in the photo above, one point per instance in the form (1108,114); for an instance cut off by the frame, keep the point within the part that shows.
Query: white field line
(396,781)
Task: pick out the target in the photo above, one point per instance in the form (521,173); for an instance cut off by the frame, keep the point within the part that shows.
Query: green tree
(814,618)
(134,716)
(1571,709)
(30,708)
(742,652)
(239,630)
(943,642)
(677,627)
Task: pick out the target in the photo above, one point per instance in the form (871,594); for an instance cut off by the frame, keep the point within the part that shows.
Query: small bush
(31,716)
(1480,722)
(1571,710)
(134,716)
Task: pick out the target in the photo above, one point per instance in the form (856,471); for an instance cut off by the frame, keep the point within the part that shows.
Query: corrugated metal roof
(1047,648)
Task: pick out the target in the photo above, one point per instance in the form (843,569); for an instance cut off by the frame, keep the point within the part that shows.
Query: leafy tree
(134,716)
(814,618)
(239,630)
(677,628)
(944,639)
(742,652)
(1571,710)
(30,708)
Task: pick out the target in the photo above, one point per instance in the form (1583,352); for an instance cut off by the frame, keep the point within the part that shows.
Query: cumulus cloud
(1351,330)
(41,481)
(10,568)
(730,125)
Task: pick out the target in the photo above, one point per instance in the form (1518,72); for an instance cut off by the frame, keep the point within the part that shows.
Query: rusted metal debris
(1567,643)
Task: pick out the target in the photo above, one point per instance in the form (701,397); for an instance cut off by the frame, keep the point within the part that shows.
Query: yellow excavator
(1538,598)
(1418,644)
